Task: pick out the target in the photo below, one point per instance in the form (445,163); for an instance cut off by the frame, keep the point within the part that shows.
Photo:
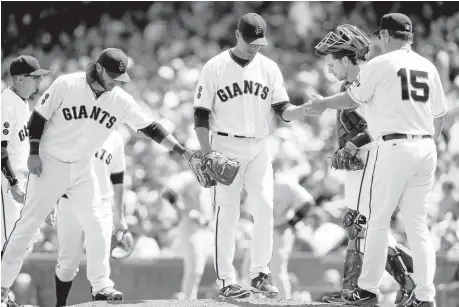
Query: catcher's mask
(347,40)
(122,245)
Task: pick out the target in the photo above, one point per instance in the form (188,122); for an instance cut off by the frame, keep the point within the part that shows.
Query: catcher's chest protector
(348,122)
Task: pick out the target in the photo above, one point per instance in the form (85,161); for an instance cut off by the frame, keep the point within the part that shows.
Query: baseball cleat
(333,297)
(360,297)
(108,294)
(403,297)
(261,284)
(234,291)
(415,303)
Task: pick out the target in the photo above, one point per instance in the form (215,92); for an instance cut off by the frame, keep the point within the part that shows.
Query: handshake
(314,106)
(213,168)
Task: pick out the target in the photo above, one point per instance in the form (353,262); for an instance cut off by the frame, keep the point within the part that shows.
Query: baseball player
(292,203)
(109,166)
(194,207)
(69,124)
(235,94)
(343,50)
(404,104)
(27,76)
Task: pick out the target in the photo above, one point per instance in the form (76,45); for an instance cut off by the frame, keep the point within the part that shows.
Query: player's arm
(203,102)
(138,120)
(117,179)
(7,170)
(44,110)
(280,101)
(360,92)
(439,105)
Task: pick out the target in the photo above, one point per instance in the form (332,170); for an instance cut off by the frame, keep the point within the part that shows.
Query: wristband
(34,147)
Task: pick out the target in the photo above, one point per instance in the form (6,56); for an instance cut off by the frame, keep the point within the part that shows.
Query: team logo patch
(6,125)
(6,131)
(122,66)
(200,90)
(258,30)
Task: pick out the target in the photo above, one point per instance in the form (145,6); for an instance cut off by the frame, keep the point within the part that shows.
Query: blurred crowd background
(168,43)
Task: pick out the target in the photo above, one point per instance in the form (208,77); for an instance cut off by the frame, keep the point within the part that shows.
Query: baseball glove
(346,158)
(197,167)
(122,245)
(220,168)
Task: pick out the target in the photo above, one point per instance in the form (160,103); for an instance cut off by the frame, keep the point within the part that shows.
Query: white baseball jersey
(240,98)
(403,93)
(78,123)
(289,195)
(108,160)
(15,115)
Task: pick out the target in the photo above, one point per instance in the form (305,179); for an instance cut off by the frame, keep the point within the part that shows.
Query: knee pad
(399,264)
(355,225)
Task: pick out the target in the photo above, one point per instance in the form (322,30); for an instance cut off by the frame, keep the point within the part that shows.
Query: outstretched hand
(314,106)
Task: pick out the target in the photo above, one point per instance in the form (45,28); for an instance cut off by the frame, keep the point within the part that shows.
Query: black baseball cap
(115,63)
(395,22)
(26,65)
(253,29)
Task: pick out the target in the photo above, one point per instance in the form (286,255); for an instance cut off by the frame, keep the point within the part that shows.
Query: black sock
(62,291)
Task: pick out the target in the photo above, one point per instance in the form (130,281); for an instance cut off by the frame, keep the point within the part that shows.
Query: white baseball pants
(256,177)
(71,240)
(79,182)
(11,210)
(402,173)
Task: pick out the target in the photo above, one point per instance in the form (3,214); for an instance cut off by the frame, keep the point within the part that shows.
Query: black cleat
(261,284)
(360,297)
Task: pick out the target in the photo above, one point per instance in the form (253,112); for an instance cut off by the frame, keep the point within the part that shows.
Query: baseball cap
(395,22)
(115,63)
(26,65)
(253,29)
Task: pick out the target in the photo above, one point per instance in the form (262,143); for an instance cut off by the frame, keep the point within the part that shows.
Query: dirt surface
(251,302)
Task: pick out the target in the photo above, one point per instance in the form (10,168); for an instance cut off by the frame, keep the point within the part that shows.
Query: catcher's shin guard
(399,264)
(355,224)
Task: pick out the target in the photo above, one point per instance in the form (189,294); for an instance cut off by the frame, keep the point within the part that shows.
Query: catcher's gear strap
(117,178)
(399,264)
(280,107)
(355,224)
(201,118)
(7,170)
(352,269)
(349,124)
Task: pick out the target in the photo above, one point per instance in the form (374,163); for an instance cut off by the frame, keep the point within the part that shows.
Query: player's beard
(93,77)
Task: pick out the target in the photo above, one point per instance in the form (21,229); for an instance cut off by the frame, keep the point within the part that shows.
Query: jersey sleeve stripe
(353,97)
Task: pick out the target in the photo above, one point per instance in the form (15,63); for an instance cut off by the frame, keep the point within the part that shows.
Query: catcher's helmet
(347,40)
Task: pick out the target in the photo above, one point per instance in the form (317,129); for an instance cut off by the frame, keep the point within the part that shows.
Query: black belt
(394,136)
(236,136)
(65,196)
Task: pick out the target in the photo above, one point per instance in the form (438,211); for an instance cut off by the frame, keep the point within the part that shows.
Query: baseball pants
(71,240)
(79,182)
(402,173)
(11,210)
(256,177)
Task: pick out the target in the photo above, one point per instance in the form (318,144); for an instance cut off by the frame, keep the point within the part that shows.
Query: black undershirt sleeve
(201,118)
(156,132)
(117,178)
(280,107)
(36,126)
(7,170)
